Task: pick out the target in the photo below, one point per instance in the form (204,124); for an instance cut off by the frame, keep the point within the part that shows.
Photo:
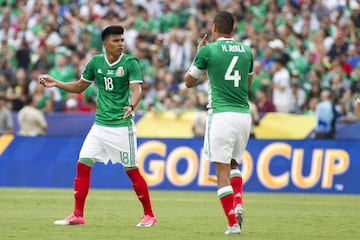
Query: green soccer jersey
(228,64)
(113,86)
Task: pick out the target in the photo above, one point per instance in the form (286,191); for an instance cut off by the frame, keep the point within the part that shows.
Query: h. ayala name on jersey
(232,48)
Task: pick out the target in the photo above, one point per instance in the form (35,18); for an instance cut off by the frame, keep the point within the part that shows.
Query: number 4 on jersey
(235,77)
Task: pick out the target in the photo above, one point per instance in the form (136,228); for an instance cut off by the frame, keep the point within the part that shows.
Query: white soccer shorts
(117,144)
(226,136)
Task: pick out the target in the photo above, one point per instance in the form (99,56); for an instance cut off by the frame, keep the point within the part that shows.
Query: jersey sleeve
(201,58)
(135,75)
(199,64)
(89,72)
(251,71)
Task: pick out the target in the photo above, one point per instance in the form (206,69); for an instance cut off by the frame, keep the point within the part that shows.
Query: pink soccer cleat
(71,220)
(147,221)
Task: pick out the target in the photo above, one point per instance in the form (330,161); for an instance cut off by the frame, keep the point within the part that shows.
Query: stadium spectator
(263,104)
(297,99)
(338,86)
(310,107)
(184,11)
(355,13)
(312,35)
(71,103)
(42,62)
(268,59)
(3,84)
(6,121)
(112,137)
(355,85)
(43,98)
(339,46)
(23,54)
(31,120)
(320,9)
(63,72)
(168,19)
(227,135)
(326,115)
(353,57)
(279,53)
(261,78)
(145,25)
(281,86)
(17,91)
(180,50)
(345,66)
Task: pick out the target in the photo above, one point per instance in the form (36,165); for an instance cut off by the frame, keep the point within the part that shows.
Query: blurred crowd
(301,48)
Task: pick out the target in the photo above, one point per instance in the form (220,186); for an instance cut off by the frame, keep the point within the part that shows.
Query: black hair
(224,22)
(110,30)
(280,60)
(28,100)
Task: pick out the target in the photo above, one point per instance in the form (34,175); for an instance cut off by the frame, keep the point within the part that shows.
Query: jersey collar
(116,62)
(225,39)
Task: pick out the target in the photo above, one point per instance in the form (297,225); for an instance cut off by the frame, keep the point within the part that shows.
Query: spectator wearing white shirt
(281,87)
(298,95)
(31,120)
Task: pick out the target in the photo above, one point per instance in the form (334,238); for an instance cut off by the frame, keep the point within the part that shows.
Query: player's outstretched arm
(74,87)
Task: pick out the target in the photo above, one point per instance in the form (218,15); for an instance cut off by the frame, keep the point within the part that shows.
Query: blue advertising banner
(325,166)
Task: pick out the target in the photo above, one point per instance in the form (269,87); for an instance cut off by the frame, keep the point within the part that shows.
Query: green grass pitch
(113,214)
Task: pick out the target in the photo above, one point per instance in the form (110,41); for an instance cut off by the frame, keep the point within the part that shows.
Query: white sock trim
(224,190)
(235,171)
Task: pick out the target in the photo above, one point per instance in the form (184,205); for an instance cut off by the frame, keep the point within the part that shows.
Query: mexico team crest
(120,72)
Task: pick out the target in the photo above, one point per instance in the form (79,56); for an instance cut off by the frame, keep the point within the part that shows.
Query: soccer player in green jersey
(229,66)
(112,136)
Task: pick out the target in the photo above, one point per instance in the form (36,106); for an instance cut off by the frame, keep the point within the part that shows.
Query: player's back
(228,66)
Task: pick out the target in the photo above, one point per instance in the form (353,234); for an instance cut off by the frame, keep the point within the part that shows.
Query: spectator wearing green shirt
(63,73)
(168,20)
(145,25)
(261,79)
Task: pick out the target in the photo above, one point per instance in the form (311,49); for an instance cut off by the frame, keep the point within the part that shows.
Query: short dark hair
(110,30)
(224,22)
(280,60)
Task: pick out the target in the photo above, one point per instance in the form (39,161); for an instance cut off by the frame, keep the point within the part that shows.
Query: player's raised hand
(203,42)
(47,81)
